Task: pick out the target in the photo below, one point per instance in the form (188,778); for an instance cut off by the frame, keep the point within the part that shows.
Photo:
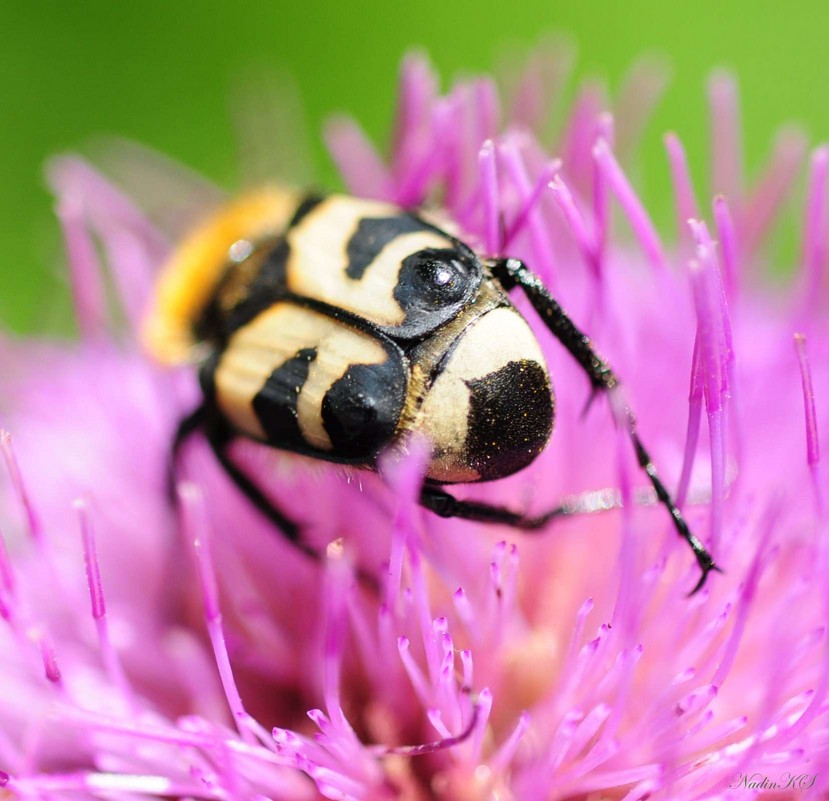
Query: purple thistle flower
(155,650)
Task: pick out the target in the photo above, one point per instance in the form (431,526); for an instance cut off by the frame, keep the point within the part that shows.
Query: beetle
(335,327)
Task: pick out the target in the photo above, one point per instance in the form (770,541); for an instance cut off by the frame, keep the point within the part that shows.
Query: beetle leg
(513,273)
(445,505)
(188,426)
(219,440)
(589,502)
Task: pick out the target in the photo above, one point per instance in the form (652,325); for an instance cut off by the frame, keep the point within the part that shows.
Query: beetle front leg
(512,273)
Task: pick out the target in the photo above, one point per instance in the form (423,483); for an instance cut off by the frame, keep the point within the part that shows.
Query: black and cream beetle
(335,327)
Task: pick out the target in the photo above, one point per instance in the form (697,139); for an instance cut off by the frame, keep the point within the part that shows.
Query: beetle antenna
(512,273)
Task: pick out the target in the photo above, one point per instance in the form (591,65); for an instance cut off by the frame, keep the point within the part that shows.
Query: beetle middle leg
(442,503)
(512,273)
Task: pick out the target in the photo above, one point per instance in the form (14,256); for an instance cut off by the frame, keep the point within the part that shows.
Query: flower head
(160,647)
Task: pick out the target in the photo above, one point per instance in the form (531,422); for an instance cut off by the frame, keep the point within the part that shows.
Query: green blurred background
(164,73)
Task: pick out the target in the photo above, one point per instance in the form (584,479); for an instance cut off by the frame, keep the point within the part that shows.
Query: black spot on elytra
(510,418)
(432,287)
(275,404)
(372,235)
(361,410)
(250,286)
(306,206)
(266,285)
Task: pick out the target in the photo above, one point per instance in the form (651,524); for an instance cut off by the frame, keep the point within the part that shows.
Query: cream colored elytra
(267,342)
(315,268)
(318,258)
(433,345)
